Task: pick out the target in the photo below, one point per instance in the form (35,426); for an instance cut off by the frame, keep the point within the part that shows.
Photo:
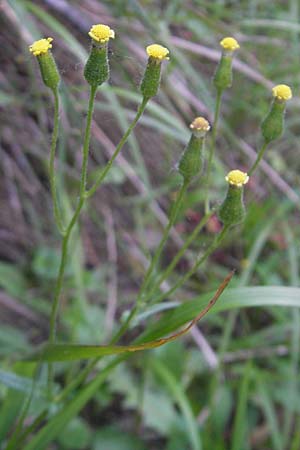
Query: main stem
(258,158)
(103,174)
(212,148)
(52,177)
(67,233)
(195,267)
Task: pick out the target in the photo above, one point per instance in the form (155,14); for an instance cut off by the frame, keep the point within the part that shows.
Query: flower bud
(96,70)
(48,68)
(223,74)
(151,80)
(232,210)
(191,161)
(273,124)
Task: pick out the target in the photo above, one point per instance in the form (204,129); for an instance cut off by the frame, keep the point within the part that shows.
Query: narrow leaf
(63,352)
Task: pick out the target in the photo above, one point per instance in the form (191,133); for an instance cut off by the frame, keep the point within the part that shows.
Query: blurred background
(234,382)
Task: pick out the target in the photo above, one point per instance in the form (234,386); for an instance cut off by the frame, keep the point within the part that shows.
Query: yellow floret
(200,124)
(282,92)
(157,51)
(41,46)
(229,43)
(101,33)
(237,178)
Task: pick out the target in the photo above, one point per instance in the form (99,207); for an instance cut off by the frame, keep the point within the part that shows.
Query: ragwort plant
(196,162)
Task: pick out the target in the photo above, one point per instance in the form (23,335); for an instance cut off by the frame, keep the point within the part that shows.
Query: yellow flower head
(200,124)
(229,43)
(157,51)
(237,178)
(41,46)
(101,33)
(282,92)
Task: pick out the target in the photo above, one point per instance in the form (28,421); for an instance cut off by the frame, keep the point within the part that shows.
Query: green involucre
(96,70)
(232,210)
(191,161)
(151,80)
(272,126)
(223,74)
(49,72)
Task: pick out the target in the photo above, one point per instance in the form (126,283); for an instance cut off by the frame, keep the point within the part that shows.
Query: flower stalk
(222,80)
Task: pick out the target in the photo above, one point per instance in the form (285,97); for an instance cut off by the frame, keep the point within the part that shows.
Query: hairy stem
(195,267)
(154,261)
(67,233)
(83,195)
(212,148)
(182,251)
(258,158)
(52,177)
(173,215)
(106,169)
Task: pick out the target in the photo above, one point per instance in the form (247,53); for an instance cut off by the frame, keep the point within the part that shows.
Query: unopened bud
(273,124)
(191,161)
(232,210)
(48,68)
(151,79)
(96,70)
(223,74)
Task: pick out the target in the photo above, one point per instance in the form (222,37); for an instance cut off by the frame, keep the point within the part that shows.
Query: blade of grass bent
(62,352)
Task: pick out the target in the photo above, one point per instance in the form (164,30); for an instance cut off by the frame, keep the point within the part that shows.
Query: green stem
(172,219)
(103,174)
(195,267)
(181,252)
(212,147)
(83,195)
(258,158)
(67,234)
(52,177)
(174,213)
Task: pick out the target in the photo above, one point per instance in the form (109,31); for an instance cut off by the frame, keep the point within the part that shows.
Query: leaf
(12,280)
(114,438)
(181,399)
(76,435)
(231,299)
(66,352)
(57,423)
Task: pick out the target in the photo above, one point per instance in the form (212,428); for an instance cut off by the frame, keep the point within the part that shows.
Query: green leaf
(57,423)
(45,263)
(113,438)
(181,399)
(76,435)
(152,337)
(259,296)
(12,280)
(65,352)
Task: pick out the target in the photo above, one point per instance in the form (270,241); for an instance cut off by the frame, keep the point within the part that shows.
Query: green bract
(49,70)
(96,70)
(273,124)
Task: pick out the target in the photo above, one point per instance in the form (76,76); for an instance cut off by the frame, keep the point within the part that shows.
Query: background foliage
(233,383)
